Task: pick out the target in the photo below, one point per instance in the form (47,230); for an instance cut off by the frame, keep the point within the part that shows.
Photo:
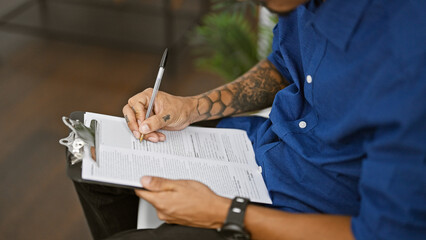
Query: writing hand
(169,113)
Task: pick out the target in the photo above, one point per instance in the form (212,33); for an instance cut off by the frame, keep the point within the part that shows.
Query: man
(343,153)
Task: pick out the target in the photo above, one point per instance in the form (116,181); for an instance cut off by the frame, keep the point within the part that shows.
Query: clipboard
(79,137)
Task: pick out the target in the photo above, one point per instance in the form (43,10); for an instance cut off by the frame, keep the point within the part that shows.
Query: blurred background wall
(60,56)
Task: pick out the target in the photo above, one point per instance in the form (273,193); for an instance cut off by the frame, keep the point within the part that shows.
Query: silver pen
(156,86)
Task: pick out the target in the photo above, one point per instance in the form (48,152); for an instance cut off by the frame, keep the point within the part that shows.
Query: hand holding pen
(156,87)
(151,110)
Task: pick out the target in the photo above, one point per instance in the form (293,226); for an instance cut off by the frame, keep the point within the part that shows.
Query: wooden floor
(42,80)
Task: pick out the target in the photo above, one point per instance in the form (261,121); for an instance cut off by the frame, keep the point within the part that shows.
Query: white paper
(223,159)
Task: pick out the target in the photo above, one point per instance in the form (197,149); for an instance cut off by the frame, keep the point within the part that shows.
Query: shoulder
(406,29)
(395,33)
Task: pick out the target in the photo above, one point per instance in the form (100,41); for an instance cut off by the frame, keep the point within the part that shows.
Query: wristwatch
(233,228)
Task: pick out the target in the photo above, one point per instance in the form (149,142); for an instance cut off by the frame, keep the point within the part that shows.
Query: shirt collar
(337,19)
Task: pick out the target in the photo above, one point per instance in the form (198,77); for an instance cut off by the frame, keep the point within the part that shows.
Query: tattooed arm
(254,90)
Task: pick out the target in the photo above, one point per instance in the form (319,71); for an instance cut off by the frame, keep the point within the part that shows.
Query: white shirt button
(309,79)
(302,124)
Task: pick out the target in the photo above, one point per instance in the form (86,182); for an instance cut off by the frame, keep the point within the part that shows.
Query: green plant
(227,42)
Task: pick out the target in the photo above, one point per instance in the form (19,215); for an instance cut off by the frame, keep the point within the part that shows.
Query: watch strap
(237,211)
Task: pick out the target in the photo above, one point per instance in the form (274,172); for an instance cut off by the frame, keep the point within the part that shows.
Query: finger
(130,117)
(156,200)
(147,195)
(142,97)
(157,184)
(140,111)
(93,152)
(155,123)
(162,216)
(152,197)
(139,103)
(155,137)
(162,137)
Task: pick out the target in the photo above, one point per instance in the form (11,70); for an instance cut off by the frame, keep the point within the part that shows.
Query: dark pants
(112,213)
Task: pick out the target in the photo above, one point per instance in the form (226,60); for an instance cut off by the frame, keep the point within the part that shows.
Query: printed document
(223,159)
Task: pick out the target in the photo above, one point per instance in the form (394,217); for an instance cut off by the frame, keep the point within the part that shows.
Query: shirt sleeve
(393,175)
(276,56)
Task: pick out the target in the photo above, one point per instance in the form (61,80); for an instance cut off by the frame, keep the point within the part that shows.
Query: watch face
(234,232)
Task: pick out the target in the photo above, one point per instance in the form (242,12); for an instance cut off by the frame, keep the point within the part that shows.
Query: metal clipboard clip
(79,137)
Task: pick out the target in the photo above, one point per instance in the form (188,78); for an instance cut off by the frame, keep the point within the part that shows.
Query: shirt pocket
(291,113)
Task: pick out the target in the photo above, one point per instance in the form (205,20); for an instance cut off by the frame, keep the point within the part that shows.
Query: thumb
(157,184)
(154,123)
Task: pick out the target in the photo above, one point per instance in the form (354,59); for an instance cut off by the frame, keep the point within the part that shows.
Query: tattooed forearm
(254,90)
(215,103)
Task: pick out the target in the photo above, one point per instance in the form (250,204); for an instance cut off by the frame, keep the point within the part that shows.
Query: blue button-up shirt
(348,135)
